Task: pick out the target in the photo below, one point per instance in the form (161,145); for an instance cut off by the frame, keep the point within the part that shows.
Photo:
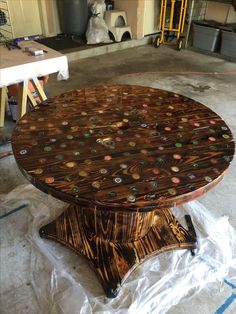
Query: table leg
(22,98)
(24,93)
(3,94)
(31,99)
(38,88)
(116,242)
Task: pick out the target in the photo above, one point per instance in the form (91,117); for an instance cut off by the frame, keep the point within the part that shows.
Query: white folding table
(19,66)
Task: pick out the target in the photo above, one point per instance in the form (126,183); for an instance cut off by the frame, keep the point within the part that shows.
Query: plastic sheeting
(97,30)
(64,283)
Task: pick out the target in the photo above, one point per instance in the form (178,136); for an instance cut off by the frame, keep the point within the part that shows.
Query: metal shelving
(6,32)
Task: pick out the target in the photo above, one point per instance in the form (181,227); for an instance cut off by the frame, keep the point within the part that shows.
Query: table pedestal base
(116,242)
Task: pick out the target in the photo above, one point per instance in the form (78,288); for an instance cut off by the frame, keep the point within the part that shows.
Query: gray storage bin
(206,38)
(228,44)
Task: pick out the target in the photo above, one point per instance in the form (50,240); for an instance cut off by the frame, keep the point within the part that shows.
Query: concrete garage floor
(209,80)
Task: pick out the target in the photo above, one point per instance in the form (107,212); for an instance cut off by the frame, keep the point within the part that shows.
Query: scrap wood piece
(5,154)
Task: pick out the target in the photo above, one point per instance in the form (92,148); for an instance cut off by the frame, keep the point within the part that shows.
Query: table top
(123,146)
(17,64)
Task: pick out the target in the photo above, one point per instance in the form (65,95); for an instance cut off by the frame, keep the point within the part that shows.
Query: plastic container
(206,38)
(73,16)
(109,5)
(228,44)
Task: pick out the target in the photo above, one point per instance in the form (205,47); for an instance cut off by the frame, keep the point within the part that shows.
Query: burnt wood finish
(116,242)
(121,155)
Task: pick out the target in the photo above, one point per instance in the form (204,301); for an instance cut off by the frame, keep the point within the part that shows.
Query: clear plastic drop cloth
(64,283)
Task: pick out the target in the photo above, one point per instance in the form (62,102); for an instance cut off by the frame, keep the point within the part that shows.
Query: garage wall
(23,18)
(134,10)
(231,16)
(151,16)
(49,17)
(142,15)
(220,12)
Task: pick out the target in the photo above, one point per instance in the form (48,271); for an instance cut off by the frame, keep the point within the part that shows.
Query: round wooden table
(122,156)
